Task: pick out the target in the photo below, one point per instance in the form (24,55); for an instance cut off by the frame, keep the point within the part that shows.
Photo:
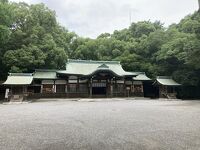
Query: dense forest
(31,38)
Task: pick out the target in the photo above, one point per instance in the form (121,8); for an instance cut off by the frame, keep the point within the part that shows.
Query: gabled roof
(89,67)
(19,79)
(166,80)
(141,77)
(44,74)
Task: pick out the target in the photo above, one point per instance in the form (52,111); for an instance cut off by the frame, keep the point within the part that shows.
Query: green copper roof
(92,61)
(88,67)
(45,74)
(165,80)
(141,77)
(19,79)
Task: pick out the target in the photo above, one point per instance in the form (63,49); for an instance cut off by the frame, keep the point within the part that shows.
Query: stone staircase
(170,95)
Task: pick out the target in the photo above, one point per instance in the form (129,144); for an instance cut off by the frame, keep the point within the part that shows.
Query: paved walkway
(130,124)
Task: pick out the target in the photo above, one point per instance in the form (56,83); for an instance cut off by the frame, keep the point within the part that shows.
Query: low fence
(57,95)
(79,95)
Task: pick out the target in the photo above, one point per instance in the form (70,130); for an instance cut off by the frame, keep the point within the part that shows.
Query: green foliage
(6,17)
(25,58)
(31,38)
(141,28)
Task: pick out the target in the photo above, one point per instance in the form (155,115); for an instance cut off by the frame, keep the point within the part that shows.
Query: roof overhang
(19,79)
(45,74)
(141,77)
(99,70)
(167,81)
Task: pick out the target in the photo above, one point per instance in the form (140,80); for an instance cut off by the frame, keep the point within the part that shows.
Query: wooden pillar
(41,89)
(78,84)
(24,94)
(11,93)
(160,90)
(77,88)
(67,87)
(132,89)
(124,87)
(166,92)
(11,90)
(142,90)
(91,87)
(111,87)
(115,87)
(24,89)
(54,86)
(107,88)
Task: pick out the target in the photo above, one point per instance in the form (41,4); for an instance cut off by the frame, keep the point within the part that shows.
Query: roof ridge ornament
(103,66)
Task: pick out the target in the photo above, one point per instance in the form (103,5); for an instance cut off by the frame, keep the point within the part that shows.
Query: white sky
(89,18)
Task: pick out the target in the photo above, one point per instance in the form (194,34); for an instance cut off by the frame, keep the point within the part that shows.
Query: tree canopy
(31,38)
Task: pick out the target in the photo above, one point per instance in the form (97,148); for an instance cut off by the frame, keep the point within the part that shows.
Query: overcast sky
(89,18)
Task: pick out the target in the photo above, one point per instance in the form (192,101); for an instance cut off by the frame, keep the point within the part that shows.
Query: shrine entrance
(99,89)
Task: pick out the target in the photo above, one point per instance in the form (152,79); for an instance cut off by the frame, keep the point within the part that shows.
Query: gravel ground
(130,124)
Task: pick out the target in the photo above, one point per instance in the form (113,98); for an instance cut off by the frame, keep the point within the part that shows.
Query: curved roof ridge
(164,77)
(45,70)
(20,74)
(92,61)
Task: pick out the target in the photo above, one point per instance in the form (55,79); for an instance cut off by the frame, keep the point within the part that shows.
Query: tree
(142,28)
(24,59)
(35,40)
